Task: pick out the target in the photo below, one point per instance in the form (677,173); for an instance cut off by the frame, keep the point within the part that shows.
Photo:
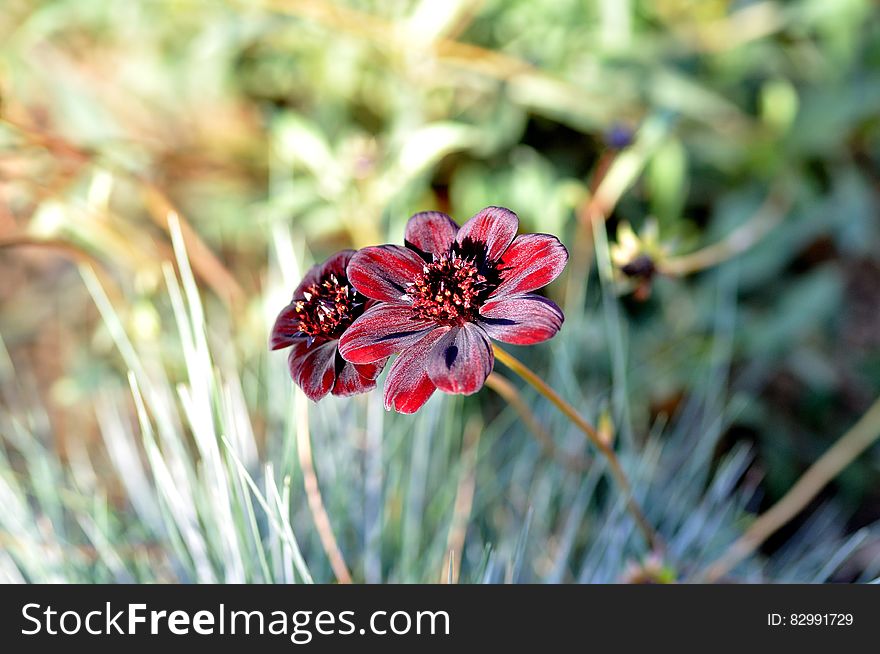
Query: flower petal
(285,332)
(493,227)
(531,261)
(312,276)
(313,369)
(461,360)
(370,370)
(522,319)
(337,264)
(408,386)
(352,379)
(382,272)
(383,330)
(430,232)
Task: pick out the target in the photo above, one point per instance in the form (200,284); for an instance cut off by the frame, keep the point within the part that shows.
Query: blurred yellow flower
(630,246)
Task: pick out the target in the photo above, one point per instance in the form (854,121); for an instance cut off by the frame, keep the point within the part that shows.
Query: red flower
(444,295)
(324,305)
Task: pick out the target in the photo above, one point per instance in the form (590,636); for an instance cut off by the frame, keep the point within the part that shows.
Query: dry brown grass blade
(313,493)
(63,247)
(768,216)
(70,251)
(586,212)
(855,441)
(381,31)
(205,263)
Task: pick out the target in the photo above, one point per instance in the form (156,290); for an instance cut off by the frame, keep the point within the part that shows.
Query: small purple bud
(619,136)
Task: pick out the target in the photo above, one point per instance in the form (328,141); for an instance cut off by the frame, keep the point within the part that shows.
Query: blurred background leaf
(283,130)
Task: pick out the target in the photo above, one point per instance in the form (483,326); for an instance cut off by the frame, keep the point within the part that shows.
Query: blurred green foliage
(296,127)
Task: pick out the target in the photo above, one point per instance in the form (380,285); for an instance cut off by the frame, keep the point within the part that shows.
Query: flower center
(449,290)
(328,307)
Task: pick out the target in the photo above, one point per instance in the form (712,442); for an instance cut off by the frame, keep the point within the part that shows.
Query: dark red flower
(444,295)
(324,305)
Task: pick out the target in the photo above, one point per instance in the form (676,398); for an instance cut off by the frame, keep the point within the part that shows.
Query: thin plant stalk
(203,260)
(313,494)
(582,248)
(768,216)
(70,250)
(848,447)
(615,172)
(591,433)
(512,396)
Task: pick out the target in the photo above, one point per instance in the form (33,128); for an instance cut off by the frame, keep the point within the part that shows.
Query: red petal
(312,276)
(432,232)
(353,379)
(531,261)
(381,331)
(312,368)
(382,272)
(494,227)
(337,264)
(521,319)
(285,332)
(408,386)
(461,360)
(370,370)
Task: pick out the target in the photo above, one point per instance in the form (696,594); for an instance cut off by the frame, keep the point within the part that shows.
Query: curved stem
(72,251)
(855,441)
(592,434)
(78,254)
(768,216)
(511,395)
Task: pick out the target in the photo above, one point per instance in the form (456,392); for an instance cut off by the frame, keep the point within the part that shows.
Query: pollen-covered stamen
(449,290)
(327,308)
